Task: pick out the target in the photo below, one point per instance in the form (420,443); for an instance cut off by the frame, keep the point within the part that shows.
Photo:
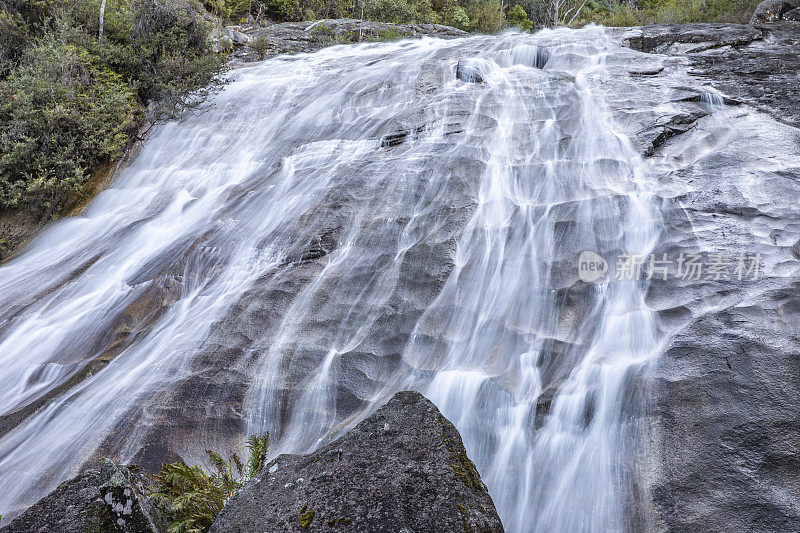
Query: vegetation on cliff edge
(70,101)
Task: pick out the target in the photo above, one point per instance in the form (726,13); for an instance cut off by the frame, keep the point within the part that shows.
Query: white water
(496,191)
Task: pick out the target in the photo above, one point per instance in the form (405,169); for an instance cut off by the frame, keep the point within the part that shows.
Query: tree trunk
(102,14)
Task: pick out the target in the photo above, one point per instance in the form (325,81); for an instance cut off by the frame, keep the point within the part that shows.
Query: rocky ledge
(404,469)
(753,64)
(310,36)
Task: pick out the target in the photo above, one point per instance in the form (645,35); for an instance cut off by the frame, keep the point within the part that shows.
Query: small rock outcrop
(771,11)
(469,70)
(109,499)
(403,469)
(235,34)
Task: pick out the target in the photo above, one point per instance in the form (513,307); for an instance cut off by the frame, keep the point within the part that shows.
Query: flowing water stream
(334,228)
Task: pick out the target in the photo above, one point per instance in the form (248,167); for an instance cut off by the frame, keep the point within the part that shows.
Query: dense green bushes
(69,102)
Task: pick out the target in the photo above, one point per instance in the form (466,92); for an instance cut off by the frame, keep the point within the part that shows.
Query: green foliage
(281,10)
(240,10)
(612,13)
(401,11)
(260,45)
(519,18)
(195,496)
(485,16)
(13,39)
(457,16)
(69,103)
(62,112)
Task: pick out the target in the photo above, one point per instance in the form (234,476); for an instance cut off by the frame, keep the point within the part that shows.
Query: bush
(62,113)
(260,46)
(69,103)
(195,497)
(667,12)
(398,11)
(519,18)
(281,10)
(458,17)
(485,16)
(170,53)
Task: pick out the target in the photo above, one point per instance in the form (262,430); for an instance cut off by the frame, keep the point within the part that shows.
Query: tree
(519,18)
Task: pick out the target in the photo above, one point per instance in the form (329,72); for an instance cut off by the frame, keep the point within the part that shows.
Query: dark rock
(670,126)
(661,38)
(403,469)
(771,11)
(110,499)
(725,394)
(792,15)
(469,70)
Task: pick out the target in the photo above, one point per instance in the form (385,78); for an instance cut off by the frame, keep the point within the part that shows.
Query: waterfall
(333,228)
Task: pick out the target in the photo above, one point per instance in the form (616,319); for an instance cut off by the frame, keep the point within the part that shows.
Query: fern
(257,446)
(195,496)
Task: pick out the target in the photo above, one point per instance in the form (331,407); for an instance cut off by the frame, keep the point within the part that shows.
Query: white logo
(591,267)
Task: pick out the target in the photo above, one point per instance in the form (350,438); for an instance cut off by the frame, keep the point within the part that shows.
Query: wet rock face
(756,65)
(771,11)
(402,469)
(110,499)
(725,393)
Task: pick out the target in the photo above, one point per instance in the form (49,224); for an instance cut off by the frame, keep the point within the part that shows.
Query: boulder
(403,469)
(771,11)
(470,70)
(111,499)
(237,37)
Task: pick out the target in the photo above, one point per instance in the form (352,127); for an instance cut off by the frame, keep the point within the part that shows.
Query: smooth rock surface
(402,469)
(725,393)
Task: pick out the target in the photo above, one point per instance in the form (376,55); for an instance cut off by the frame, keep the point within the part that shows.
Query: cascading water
(337,227)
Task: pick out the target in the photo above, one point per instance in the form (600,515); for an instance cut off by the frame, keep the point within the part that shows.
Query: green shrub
(611,13)
(13,40)
(519,18)
(398,11)
(62,113)
(281,10)
(195,497)
(457,17)
(260,46)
